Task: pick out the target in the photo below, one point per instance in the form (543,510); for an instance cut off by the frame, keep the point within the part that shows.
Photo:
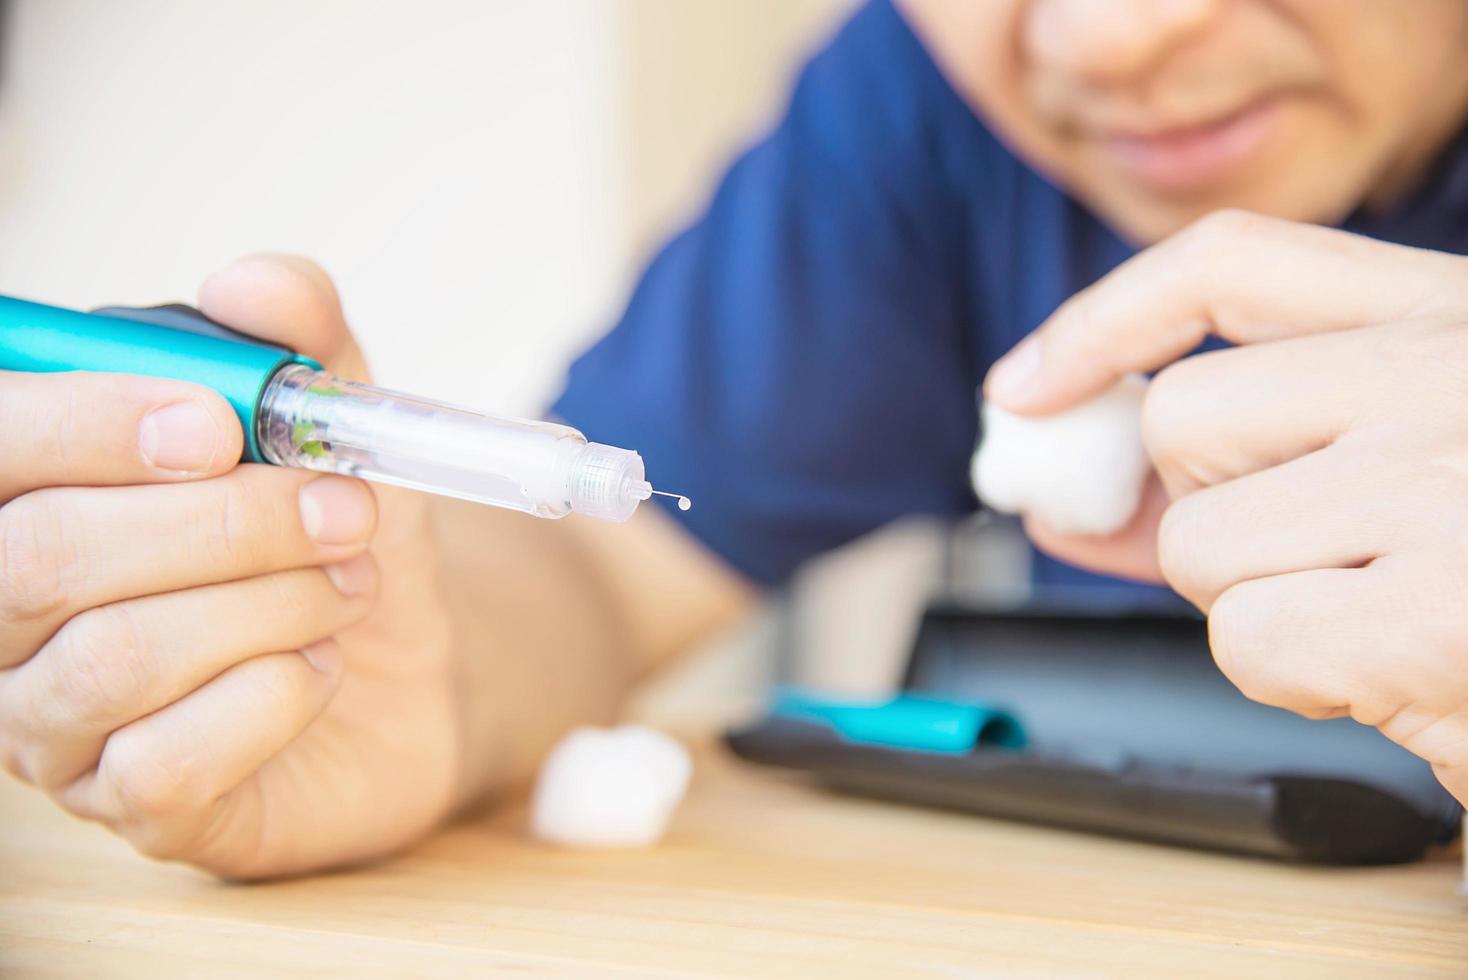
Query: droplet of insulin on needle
(683,502)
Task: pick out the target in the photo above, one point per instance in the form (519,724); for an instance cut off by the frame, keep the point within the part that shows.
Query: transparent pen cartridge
(310,419)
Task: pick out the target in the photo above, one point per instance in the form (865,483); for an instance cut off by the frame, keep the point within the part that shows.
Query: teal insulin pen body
(295,414)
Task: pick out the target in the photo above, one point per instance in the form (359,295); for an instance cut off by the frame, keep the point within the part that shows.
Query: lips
(1185,158)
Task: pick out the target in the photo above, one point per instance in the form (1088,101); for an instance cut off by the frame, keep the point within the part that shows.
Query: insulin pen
(295,414)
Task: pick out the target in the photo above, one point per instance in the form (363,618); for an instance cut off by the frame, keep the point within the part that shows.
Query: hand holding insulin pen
(295,414)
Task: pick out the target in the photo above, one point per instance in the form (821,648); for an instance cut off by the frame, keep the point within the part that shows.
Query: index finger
(1244,277)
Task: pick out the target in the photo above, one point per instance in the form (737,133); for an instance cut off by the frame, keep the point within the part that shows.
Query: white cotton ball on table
(610,787)
(1080,471)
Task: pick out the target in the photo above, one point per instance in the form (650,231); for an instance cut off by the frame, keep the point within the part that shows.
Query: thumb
(286,300)
(1130,553)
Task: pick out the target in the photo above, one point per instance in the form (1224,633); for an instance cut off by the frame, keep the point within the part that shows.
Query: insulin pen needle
(683,502)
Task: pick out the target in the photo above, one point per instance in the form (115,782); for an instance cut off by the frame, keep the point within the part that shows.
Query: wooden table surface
(761,877)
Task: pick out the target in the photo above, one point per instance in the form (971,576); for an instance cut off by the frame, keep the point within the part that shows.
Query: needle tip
(683,502)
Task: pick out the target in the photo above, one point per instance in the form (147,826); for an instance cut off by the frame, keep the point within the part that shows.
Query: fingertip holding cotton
(1081,471)
(610,787)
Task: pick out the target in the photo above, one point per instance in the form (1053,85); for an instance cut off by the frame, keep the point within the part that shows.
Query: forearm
(538,647)
(554,622)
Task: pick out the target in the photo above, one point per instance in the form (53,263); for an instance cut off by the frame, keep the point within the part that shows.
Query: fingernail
(183,437)
(1014,374)
(336,510)
(325,656)
(354,577)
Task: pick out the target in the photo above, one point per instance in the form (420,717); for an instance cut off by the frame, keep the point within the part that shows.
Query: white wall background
(482,178)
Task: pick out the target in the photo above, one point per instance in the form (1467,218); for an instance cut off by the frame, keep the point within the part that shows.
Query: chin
(1144,217)
(1287,181)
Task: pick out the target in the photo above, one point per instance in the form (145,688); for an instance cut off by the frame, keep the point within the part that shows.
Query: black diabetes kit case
(1131,731)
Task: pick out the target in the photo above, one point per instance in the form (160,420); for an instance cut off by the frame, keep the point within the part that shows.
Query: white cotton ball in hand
(610,787)
(1080,471)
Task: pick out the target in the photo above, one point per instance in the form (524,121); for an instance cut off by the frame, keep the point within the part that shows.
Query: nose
(1109,40)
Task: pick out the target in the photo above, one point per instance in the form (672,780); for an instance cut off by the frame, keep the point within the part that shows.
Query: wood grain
(762,876)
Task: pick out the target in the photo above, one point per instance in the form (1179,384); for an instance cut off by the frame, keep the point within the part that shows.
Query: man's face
(1155,112)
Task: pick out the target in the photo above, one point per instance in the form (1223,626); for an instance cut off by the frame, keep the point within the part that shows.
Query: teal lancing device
(41,338)
(908,721)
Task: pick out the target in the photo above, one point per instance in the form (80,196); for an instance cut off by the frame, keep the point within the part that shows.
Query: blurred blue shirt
(803,361)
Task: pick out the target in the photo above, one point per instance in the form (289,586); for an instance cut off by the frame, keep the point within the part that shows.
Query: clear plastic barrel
(312,420)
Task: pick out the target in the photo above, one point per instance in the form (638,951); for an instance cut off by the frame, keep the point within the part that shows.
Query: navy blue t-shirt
(803,361)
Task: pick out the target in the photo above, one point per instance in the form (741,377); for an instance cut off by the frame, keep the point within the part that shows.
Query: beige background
(483,179)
